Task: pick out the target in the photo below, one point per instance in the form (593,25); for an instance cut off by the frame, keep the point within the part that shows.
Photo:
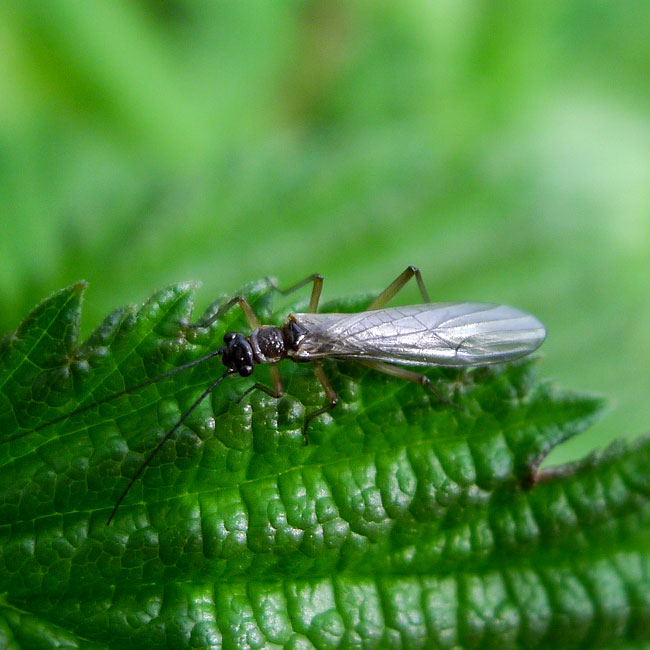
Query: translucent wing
(444,334)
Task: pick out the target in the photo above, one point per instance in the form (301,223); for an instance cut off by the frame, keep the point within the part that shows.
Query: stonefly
(456,334)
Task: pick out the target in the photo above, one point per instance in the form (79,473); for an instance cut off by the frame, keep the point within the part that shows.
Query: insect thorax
(268,344)
(272,344)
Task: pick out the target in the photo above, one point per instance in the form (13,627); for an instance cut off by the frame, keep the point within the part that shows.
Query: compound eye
(229,337)
(246,371)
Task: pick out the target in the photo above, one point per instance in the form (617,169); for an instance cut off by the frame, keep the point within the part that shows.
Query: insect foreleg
(237,300)
(397,285)
(332,397)
(276,391)
(317,287)
(409,375)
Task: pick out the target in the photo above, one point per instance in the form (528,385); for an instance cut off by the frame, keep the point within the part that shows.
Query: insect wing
(446,334)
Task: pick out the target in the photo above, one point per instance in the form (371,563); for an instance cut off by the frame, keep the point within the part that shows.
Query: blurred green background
(502,147)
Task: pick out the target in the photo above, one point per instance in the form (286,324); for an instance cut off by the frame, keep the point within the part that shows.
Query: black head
(238,354)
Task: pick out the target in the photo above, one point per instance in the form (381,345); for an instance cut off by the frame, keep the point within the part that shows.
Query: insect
(458,334)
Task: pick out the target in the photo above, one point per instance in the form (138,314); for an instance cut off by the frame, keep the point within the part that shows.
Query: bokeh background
(503,147)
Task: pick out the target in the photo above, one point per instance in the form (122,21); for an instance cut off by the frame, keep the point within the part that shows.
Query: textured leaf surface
(403,524)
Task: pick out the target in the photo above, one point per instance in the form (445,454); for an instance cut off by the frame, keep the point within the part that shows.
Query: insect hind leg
(397,285)
(409,375)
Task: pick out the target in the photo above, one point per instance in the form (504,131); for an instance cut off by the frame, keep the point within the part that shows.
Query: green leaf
(404,523)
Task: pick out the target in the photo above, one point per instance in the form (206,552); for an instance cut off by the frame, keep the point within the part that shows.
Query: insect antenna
(160,445)
(130,389)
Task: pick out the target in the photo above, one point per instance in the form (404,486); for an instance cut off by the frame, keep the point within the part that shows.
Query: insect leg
(237,300)
(331,396)
(396,286)
(409,375)
(317,279)
(276,391)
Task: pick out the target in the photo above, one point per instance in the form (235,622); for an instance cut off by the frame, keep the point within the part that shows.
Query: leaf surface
(404,523)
